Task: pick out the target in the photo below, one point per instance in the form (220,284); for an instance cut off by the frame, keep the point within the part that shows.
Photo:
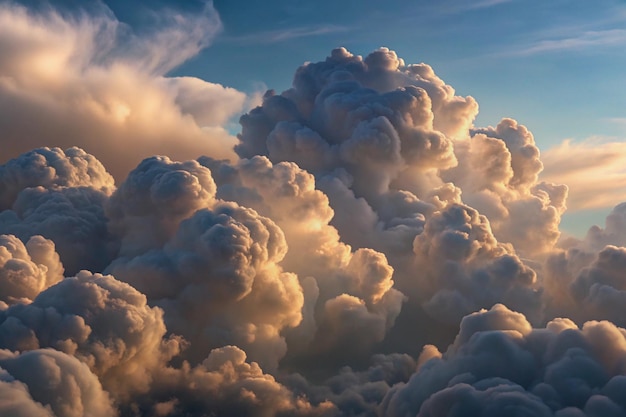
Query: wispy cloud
(282,35)
(594,170)
(620,121)
(581,41)
(485,4)
(450,9)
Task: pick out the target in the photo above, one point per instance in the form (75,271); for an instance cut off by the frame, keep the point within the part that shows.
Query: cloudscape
(356,245)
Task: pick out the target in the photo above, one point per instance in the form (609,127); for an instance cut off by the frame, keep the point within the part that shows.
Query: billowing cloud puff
(499,364)
(219,283)
(585,278)
(103,322)
(343,290)
(369,130)
(27,269)
(498,170)
(357,393)
(586,285)
(93,83)
(46,382)
(225,384)
(614,232)
(52,169)
(158,194)
(461,267)
(392,143)
(15,400)
(59,195)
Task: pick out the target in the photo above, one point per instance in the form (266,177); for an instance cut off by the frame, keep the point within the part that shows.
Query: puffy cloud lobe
(524,155)
(101,321)
(498,363)
(614,232)
(345,288)
(388,142)
(52,168)
(383,71)
(368,129)
(145,211)
(461,267)
(498,170)
(225,384)
(54,380)
(219,283)
(96,84)
(357,393)
(71,217)
(594,284)
(26,270)
(590,271)
(59,195)
(15,400)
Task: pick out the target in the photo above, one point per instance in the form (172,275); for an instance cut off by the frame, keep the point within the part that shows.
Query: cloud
(593,170)
(59,195)
(27,269)
(103,322)
(50,378)
(587,40)
(362,219)
(95,84)
(498,362)
(282,35)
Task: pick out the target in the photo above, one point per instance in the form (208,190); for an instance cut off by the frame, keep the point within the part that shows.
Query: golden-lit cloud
(361,248)
(594,171)
(89,81)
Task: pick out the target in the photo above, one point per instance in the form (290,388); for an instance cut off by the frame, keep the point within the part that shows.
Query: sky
(312,209)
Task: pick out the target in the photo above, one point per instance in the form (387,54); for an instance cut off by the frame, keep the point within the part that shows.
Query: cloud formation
(365,251)
(95,84)
(592,168)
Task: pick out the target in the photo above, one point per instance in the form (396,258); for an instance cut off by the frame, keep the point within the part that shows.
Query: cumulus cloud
(59,195)
(27,269)
(358,219)
(343,288)
(498,362)
(48,382)
(95,84)
(227,385)
(155,197)
(103,322)
(391,141)
(218,281)
(463,267)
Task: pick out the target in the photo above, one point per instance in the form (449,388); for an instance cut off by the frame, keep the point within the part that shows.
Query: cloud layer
(366,250)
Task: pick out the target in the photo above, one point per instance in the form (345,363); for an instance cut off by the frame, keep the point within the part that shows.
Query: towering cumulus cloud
(361,249)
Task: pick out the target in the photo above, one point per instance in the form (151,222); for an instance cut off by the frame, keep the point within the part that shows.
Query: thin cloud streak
(282,35)
(584,41)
